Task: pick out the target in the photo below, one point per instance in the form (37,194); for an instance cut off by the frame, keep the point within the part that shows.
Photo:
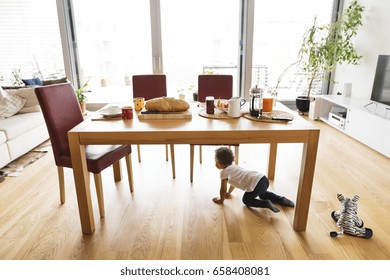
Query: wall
(373,38)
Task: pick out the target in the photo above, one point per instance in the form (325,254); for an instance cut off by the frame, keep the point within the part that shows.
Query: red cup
(127,112)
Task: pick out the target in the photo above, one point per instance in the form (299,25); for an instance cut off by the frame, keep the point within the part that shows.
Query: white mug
(234,108)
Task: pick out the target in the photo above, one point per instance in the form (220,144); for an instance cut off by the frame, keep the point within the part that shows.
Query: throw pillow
(10,105)
(2,92)
(56,81)
(30,109)
(28,94)
(32,82)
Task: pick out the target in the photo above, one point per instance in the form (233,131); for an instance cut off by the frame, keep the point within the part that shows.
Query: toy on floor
(347,219)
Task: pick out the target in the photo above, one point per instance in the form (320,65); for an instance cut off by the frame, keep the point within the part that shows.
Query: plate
(221,102)
(111,112)
(216,103)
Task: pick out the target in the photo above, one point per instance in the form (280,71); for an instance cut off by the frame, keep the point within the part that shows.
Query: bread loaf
(166,104)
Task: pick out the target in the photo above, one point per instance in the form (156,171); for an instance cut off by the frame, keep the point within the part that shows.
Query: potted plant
(324,47)
(81,95)
(17,77)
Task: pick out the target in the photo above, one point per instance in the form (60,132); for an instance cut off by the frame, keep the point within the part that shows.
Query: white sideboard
(366,121)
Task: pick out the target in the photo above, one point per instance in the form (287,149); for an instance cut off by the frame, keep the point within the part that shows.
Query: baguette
(166,104)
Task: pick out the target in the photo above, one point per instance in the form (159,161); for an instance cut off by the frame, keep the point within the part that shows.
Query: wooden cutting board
(166,115)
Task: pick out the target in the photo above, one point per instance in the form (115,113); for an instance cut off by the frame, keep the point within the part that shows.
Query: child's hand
(217,200)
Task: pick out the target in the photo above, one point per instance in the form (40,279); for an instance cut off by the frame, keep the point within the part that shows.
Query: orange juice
(267,104)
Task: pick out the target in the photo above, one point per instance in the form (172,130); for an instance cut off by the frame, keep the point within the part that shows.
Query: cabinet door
(369,129)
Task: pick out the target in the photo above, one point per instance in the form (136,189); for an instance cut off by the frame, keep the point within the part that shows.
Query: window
(182,39)
(278,32)
(31,42)
(114,43)
(197,38)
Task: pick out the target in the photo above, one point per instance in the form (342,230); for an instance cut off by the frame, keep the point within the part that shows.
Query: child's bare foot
(228,195)
(217,200)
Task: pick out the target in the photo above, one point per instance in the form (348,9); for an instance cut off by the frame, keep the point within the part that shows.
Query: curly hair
(224,155)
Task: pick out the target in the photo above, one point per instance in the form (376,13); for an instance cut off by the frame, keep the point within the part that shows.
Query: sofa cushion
(3,138)
(19,124)
(10,105)
(27,141)
(5,158)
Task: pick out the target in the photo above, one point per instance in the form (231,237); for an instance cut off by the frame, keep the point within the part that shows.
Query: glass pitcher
(255,101)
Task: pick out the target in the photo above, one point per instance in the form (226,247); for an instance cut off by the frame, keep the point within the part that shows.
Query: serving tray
(274,117)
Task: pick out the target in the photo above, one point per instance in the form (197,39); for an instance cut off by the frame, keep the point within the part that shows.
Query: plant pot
(83,107)
(303,104)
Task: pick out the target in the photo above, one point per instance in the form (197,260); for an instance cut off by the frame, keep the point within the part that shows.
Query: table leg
(273,147)
(81,179)
(309,155)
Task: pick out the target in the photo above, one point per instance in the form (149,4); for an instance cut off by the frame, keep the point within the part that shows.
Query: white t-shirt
(241,178)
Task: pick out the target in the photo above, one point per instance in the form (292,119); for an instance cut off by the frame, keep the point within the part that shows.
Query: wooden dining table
(195,130)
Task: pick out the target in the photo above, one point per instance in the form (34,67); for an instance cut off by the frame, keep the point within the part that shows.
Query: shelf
(362,124)
(325,120)
(365,105)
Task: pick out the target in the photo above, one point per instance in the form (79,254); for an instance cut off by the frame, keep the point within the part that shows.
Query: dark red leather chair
(152,86)
(62,112)
(219,86)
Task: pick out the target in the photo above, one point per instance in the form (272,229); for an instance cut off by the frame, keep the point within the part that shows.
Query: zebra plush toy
(347,219)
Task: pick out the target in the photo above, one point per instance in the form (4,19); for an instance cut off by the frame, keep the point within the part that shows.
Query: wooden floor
(174,219)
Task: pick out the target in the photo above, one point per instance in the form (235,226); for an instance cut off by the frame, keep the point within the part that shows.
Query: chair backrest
(61,112)
(219,86)
(149,86)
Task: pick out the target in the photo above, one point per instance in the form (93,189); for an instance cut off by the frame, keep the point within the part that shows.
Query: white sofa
(20,132)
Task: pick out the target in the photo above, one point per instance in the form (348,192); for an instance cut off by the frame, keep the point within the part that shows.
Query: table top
(198,130)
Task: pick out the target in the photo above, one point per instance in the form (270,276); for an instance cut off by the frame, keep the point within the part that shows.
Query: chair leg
(166,152)
(130,172)
(117,171)
(139,152)
(236,149)
(173,161)
(191,162)
(61,180)
(200,153)
(99,193)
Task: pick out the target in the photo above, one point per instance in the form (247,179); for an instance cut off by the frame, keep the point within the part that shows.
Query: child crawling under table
(253,183)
